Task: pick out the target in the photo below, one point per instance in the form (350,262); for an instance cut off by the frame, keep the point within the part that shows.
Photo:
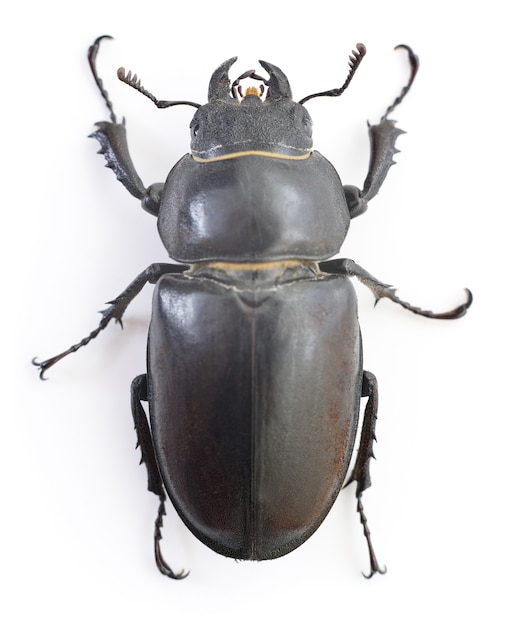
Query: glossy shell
(253,208)
(254,398)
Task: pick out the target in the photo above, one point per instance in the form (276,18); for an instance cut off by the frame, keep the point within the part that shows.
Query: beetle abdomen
(254,400)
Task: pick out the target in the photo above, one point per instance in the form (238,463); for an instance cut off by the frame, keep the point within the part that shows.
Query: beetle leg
(383,138)
(382,290)
(356,203)
(113,145)
(112,137)
(150,275)
(361,471)
(139,392)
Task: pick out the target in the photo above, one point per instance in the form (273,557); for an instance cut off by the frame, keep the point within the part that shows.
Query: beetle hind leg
(361,472)
(159,559)
(139,392)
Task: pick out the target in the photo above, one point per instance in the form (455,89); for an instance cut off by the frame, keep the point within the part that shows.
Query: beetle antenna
(92,55)
(414,66)
(355,59)
(135,82)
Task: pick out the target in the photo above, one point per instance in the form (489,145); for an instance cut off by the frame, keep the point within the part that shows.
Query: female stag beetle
(255,373)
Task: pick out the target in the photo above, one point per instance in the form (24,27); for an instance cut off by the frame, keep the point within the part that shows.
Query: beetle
(254,361)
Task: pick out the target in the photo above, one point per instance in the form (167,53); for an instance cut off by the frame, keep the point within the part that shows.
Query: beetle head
(230,125)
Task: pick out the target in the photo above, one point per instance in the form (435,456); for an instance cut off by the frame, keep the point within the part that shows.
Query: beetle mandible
(255,372)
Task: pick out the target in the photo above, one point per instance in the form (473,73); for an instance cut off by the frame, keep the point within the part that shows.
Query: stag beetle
(254,367)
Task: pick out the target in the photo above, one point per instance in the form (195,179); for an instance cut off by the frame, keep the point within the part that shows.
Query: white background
(77,521)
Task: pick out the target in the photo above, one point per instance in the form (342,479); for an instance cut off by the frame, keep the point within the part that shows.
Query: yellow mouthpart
(252,91)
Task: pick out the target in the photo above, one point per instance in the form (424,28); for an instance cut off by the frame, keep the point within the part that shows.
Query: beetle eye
(195,129)
(308,126)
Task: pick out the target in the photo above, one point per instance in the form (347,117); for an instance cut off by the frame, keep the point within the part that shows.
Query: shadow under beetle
(254,373)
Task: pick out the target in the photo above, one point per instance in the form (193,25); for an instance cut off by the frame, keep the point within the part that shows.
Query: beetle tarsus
(382,290)
(361,472)
(118,306)
(43,366)
(139,393)
(414,67)
(159,559)
(390,293)
(108,314)
(92,55)
(374,566)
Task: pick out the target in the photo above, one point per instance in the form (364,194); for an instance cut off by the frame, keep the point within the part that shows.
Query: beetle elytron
(254,374)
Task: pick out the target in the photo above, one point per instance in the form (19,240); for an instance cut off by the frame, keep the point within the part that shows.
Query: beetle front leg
(113,145)
(139,392)
(361,472)
(380,290)
(150,275)
(383,138)
(112,137)
(382,150)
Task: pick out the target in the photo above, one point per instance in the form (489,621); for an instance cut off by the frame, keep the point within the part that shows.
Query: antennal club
(355,59)
(135,82)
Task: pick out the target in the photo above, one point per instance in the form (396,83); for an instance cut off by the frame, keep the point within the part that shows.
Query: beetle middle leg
(380,290)
(139,392)
(361,472)
(116,309)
